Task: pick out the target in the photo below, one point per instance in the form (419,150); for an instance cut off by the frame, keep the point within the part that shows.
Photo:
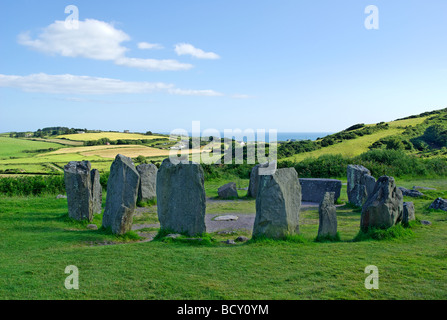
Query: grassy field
(355,147)
(347,148)
(13,155)
(406,122)
(37,242)
(60,141)
(113,136)
(10,147)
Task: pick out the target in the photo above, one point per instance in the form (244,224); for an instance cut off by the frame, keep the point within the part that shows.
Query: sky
(159,65)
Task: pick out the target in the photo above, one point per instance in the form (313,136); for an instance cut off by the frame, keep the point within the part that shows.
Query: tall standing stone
(148,181)
(122,188)
(328,216)
(255,177)
(181,199)
(360,184)
(278,204)
(96,191)
(78,188)
(384,207)
(408,213)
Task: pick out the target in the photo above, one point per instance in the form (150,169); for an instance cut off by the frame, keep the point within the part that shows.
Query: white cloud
(97,40)
(93,39)
(153,64)
(186,48)
(149,46)
(72,84)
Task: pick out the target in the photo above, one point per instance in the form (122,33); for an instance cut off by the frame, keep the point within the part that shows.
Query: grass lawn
(37,242)
(11,147)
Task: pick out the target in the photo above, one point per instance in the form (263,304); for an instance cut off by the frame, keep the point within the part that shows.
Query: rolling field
(10,147)
(60,141)
(113,136)
(13,157)
(14,160)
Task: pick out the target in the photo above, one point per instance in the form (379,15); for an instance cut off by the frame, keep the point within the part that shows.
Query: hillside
(408,134)
(422,136)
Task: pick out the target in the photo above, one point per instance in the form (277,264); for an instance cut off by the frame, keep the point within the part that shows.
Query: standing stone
(408,214)
(328,216)
(384,207)
(227,191)
(370,183)
(181,199)
(278,204)
(96,191)
(255,178)
(360,184)
(148,182)
(122,188)
(314,190)
(78,188)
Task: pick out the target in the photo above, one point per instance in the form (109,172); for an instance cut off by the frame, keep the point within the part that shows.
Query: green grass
(11,147)
(37,242)
(355,147)
(212,185)
(64,142)
(395,232)
(349,148)
(110,135)
(232,206)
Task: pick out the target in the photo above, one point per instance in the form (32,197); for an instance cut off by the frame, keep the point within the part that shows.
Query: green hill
(423,135)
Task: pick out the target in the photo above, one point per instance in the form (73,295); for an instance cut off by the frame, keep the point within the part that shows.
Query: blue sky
(301,66)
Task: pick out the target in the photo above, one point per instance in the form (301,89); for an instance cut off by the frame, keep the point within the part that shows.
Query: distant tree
(437,135)
(141,159)
(394,144)
(356,126)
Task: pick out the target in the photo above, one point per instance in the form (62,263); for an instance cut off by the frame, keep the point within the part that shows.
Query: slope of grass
(348,148)
(355,147)
(11,147)
(406,122)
